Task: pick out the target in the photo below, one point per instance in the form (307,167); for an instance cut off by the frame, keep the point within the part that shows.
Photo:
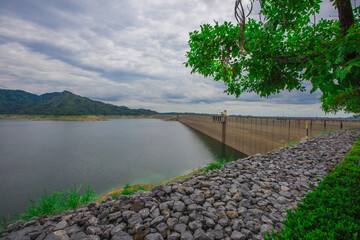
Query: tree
(283,51)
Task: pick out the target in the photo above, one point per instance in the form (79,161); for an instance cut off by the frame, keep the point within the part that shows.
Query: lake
(53,155)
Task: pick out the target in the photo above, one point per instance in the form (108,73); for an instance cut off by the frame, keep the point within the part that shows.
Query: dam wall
(251,135)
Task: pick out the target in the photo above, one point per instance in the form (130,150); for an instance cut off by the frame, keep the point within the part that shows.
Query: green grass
(3,226)
(327,132)
(218,164)
(289,144)
(127,190)
(57,202)
(332,210)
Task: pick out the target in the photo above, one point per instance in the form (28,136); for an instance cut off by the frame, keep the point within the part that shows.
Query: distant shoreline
(84,118)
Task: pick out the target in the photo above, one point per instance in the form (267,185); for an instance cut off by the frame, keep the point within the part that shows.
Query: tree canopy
(282,50)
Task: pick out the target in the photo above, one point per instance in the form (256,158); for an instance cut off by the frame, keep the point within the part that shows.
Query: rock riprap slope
(242,200)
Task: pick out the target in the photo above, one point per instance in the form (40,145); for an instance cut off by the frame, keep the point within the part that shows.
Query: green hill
(59,103)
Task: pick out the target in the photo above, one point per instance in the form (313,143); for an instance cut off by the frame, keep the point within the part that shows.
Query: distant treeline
(59,103)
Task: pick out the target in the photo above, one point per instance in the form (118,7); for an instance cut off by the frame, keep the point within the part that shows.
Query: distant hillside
(59,103)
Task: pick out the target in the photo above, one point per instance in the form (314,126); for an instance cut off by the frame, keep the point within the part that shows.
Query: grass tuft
(128,189)
(289,144)
(3,226)
(57,202)
(217,165)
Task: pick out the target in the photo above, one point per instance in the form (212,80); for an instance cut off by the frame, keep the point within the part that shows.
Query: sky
(127,53)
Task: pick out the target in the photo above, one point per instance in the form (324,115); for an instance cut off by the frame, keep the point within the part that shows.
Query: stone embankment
(242,200)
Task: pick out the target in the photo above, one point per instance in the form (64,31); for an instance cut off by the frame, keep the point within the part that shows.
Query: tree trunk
(346,16)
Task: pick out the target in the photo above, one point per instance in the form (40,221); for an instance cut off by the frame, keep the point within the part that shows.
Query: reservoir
(53,155)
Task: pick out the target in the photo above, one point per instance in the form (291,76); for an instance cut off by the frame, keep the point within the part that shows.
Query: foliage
(282,53)
(3,225)
(218,164)
(127,190)
(59,103)
(54,203)
(288,144)
(332,210)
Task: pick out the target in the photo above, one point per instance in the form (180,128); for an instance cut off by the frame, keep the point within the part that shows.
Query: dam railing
(251,135)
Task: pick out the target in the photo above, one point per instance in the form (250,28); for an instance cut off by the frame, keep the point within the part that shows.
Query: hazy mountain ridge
(59,103)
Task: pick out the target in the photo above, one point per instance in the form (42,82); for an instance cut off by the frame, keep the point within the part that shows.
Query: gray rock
(201,235)
(118,228)
(127,214)
(91,237)
(72,230)
(134,219)
(282,200)
(61,225)
(58,235)
(189,190)
(209,222)
(145,212)
(286,194)
(162,229)
(18,235)
(104,214)
(114,216)
(36,234)
(92,230)
(16,225)
(198,198)
(155,212)
(106,234)
(224,222)
(179,206)
(78,236)
(265,228)
(171,223)
(215,234)
(137,206)
(246,232)
(153,236)
(184,219)
(157,220)
(174,236)
(237,235)
(195,225)
(253,226)
(93,221)
(163,206)
(121,236)
(180,227)
(40,237)
(186,236)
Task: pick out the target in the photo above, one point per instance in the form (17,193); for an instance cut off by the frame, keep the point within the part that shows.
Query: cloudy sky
(126,52)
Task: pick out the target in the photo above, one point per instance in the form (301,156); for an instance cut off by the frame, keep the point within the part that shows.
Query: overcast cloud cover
(126,52)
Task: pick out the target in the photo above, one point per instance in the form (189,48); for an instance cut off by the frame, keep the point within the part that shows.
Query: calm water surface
(53,155)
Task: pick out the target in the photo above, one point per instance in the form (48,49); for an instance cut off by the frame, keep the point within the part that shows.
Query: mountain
(59,103)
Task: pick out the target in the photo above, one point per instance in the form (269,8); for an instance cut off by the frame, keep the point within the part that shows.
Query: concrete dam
(251,135)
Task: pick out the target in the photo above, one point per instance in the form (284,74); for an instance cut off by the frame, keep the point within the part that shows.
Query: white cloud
(129,51)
